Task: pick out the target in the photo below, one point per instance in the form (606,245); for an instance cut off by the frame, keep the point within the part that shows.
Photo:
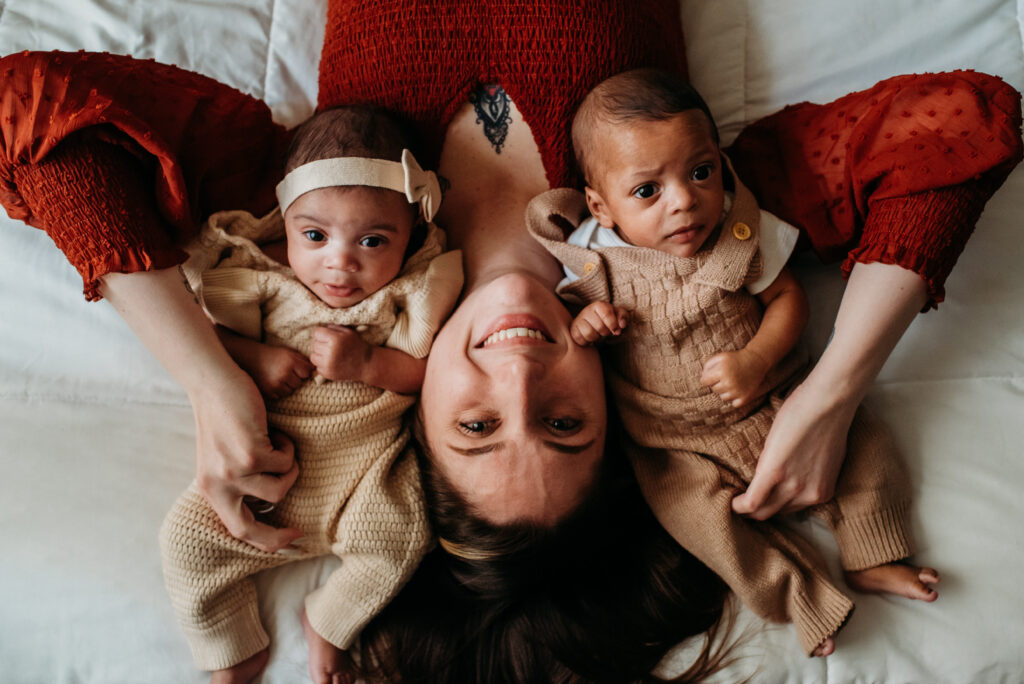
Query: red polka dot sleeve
(897,174)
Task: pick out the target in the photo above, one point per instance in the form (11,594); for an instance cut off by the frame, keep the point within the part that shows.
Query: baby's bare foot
(825,648)
(327,662)
(899,579)
(244,672)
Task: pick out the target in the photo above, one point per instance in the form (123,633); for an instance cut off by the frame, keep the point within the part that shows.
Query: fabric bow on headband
(419,186)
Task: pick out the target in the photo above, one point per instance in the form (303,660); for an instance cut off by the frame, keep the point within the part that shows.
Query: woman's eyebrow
(496,446)
(476,451)
(569,448)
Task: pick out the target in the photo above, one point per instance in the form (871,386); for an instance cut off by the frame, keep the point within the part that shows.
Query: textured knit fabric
(692,452)
(358,494)
(897,173)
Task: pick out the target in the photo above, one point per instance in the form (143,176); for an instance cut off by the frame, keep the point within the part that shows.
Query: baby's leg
(898,579)
(773,571)
(328,664)
(870,516)
(208,576)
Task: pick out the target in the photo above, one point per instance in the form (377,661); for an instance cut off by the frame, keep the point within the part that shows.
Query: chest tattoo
(493,110)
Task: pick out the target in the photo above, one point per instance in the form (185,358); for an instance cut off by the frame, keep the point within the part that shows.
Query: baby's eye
(563,424)
(372,241)
(475,427)
(314,235)
(703,172)
(645,191)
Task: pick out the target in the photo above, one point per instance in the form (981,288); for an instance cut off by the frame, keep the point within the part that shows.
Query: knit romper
(358,494)
(692,452)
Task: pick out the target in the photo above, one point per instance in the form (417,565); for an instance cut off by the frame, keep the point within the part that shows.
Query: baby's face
(658,183)
(346,243)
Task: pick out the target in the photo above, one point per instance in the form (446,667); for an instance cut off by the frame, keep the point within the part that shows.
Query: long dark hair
(601,597)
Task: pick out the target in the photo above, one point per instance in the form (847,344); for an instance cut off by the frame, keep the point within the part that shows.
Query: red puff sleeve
(898,173)
(88,141)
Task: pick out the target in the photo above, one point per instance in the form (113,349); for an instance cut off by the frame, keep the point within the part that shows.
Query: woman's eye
(475,427)
(372,241)
(563,424)
(645,191)
(702,172)
(314,236)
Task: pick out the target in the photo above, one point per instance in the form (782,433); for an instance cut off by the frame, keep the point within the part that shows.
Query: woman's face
(513,410)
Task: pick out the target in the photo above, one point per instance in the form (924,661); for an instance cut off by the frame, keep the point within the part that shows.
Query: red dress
(898,173)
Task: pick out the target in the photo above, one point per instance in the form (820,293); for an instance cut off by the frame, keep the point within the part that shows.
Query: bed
(96,439)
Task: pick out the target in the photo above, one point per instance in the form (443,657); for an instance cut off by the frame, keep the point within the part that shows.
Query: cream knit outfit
(693,452)
(358,493)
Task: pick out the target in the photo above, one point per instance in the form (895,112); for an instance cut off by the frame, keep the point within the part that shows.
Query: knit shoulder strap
(550,217)
(733,260)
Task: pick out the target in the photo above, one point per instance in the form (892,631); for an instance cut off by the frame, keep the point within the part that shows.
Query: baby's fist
(597,321)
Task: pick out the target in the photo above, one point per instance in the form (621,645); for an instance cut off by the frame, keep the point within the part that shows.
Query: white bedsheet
(96,439)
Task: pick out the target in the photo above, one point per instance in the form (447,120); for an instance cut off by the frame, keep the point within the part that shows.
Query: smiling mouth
(514,329)
(511,333)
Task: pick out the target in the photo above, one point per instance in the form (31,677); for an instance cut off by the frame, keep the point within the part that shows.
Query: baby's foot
(244,672)
(825,648)
(327,662)
(899,579)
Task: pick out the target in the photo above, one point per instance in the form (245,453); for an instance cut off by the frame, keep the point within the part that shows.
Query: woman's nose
(520,374)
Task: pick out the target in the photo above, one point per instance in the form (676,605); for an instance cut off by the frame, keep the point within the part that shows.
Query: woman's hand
(236,458)
(802,455)
(806,445)
(234,454)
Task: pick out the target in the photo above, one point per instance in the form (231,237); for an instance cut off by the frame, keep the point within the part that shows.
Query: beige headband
(418,186)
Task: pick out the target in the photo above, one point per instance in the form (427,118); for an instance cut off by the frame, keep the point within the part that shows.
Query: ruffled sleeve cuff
(92,199)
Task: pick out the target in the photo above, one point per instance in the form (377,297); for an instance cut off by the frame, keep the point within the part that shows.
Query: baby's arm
(277,371)
(339,353)
(597,321)
(737,376)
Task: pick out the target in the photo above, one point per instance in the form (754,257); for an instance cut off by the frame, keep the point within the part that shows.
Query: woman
(489,188)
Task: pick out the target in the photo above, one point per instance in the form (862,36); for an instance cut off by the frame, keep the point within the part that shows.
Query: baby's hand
(597,321)
(280,371)
(339,353)
(735,376)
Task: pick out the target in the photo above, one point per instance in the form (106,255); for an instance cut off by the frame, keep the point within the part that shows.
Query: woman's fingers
(761,501)
(243,525)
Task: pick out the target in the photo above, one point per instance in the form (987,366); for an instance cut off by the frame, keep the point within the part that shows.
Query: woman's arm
(807,442)
(235,456)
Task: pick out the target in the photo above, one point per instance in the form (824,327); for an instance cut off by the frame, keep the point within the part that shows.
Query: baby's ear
(598,208)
